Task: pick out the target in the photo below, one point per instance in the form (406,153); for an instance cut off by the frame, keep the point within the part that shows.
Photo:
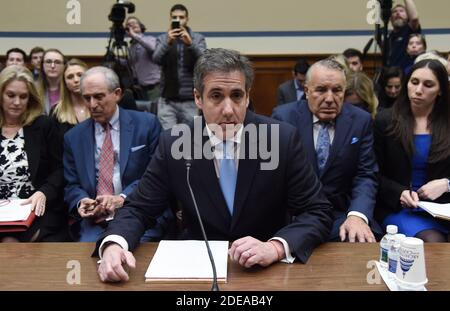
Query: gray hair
(111,78)
(431,55)
(222,60)
(328,63)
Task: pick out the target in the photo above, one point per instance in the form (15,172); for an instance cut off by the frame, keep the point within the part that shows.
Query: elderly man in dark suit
(293,90)
(338,140)
(243,195)
(106,155)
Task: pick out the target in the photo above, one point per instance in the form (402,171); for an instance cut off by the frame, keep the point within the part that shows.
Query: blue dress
(412,221)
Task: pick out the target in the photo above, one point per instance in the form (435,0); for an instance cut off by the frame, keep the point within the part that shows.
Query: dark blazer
(287,93)
(44,152)
(396,168)
(139,133)
(349,177)
(262,201)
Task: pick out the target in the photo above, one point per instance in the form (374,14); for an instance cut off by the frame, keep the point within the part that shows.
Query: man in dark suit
(293,90)
(105,156)
(245,199)
(338,140)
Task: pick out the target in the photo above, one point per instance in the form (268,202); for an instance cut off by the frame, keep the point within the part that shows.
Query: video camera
(117,16)
(386,8)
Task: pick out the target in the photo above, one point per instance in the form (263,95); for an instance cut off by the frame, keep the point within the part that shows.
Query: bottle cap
(391,229)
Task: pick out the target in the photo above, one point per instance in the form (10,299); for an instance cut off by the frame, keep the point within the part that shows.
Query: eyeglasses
(49,62)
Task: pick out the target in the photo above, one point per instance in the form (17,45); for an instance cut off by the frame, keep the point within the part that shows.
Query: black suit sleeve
(51,178)
(389,190)
(311,210)
(145,204)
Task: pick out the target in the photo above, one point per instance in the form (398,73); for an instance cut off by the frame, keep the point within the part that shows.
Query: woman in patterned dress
(30,157)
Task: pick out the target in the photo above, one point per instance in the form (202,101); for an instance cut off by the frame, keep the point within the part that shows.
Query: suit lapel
(87,150)
(206,177)
(32,147)
(305,126)
(342,129)
(126,135)
(293,90)
(246,169)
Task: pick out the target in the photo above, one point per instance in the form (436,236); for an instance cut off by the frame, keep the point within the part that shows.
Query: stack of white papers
(187,261)
(436,209)
(11,210)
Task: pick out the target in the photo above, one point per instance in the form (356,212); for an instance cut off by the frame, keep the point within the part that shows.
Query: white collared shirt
(316,129)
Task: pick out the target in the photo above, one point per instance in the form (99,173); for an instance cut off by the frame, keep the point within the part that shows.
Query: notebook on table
(15,217)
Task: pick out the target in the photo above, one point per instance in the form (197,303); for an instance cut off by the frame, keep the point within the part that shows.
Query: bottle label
(384,255)
(392,265)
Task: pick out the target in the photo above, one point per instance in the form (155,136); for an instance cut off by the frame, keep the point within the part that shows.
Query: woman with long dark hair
(412,144)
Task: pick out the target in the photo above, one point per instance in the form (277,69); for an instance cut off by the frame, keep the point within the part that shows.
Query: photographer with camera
(140,57)
(177,52)
(405,21)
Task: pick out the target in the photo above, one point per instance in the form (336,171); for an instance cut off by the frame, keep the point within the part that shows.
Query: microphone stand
(386,7)
(215,285)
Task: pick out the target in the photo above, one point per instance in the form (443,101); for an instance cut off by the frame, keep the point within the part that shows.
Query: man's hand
(87,207)
(356,229)
(111,268)
(249,251)
(37,201)
(433,189)
(185,36)
(182,33)
(172,35)
(131,32)
(110,202)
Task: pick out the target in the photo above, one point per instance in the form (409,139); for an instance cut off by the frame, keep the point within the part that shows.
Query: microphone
(215,286)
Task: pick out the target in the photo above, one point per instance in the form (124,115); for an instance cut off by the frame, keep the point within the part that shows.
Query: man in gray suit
(292,90)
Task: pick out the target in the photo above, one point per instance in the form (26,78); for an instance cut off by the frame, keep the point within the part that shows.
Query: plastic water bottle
(393,253)
(386,243)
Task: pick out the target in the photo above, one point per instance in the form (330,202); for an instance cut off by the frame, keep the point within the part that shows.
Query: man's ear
(198,99)
(118,92)
(306,90)
(248,98)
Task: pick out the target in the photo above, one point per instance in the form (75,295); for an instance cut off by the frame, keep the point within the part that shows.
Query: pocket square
(134,149)
(354,140)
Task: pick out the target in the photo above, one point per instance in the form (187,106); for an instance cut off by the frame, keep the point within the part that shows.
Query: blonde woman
(72,108)
(50,83)
(360,92)
(30,157)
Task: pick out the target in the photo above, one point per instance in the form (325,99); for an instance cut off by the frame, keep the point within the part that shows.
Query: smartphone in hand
(175,24)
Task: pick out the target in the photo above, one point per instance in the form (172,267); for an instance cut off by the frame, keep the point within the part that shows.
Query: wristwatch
(448,185)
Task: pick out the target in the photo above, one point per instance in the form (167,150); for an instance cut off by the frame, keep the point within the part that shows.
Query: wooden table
(333,266)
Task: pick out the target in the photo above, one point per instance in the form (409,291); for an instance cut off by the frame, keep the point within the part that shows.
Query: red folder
(17,226)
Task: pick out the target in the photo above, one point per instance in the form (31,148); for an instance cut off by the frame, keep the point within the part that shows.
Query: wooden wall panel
(270,72)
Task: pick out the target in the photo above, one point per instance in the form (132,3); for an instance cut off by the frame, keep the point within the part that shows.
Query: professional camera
(117,16)
(386,8)
(116,56)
